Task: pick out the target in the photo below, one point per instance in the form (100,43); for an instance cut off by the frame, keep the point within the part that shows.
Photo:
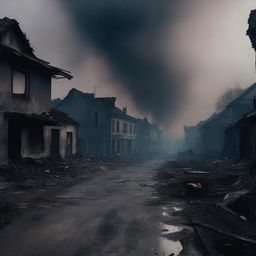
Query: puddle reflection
(166,246)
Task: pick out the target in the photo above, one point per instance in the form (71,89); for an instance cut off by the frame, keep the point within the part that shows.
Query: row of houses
(106,130)
(231,132)
(33,126)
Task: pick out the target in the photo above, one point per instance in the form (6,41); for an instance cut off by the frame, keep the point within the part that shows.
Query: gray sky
(209,42)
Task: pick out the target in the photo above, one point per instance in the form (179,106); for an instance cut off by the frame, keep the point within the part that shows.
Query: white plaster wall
(63,139)
(47,141)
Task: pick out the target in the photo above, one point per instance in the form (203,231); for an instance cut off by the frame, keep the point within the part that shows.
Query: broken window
(19,83)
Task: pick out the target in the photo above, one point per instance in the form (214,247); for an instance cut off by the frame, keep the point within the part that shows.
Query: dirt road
(112,214)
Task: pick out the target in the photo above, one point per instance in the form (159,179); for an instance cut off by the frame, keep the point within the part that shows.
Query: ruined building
(240,138)
(104,129)
(25,98)
(212,132)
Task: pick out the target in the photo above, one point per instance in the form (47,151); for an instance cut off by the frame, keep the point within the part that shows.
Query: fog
(205,43)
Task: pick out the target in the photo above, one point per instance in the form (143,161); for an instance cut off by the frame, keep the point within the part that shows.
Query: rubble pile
(219,202)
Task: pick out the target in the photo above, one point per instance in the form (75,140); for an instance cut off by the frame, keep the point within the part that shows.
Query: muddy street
(116,213)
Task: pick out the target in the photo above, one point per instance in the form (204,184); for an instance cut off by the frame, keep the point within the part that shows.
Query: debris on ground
(24,182)
(218,199)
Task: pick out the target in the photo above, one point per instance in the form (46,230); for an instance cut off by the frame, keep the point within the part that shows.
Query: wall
(39,99)
(63,139)
(3,140)
(123,138)
(94,139)
(47,141)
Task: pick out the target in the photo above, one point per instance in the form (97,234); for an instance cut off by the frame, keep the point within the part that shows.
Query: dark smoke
(131,35)
(228,96)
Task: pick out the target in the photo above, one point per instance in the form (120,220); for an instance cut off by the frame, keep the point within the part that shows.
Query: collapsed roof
(26,52)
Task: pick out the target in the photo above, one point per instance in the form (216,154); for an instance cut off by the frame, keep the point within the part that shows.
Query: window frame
(27,79)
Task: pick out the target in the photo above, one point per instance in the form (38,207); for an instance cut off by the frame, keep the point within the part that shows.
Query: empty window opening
(19,83)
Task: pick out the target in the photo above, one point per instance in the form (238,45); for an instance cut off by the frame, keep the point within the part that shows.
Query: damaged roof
(54,117)
(244,93)
(7,24)
(60,117)
(26,54)
(23,117)
(54,71)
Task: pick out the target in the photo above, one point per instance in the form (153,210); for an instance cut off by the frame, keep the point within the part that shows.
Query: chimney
(125,110)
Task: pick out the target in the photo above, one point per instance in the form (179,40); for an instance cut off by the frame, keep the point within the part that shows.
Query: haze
(208,43)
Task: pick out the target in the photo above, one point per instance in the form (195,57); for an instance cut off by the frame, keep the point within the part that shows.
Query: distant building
(123,132)
(192,135)
(104,129)
(149,138)
(212,131)
(25,95)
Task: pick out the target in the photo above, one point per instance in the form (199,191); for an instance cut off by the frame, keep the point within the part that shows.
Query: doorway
(55,143)
(14,141)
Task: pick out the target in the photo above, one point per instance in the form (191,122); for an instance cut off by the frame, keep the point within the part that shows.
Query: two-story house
(123,132)
(25,94)
(104,129)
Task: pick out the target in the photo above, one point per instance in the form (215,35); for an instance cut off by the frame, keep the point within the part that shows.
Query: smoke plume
(228,96)
(130,34)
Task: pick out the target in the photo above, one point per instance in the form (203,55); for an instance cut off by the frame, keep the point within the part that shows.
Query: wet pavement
(115,213)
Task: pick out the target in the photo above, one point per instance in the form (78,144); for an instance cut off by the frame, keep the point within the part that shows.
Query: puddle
(197,172)
(168,229)
(167,210)
(177,209)
(168,247)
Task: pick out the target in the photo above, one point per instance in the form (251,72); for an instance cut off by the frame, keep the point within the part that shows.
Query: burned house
(149,138)
(212,132)
(104,129)
(25,95)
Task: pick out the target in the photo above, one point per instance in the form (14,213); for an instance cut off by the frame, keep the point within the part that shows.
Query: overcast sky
(210,43)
